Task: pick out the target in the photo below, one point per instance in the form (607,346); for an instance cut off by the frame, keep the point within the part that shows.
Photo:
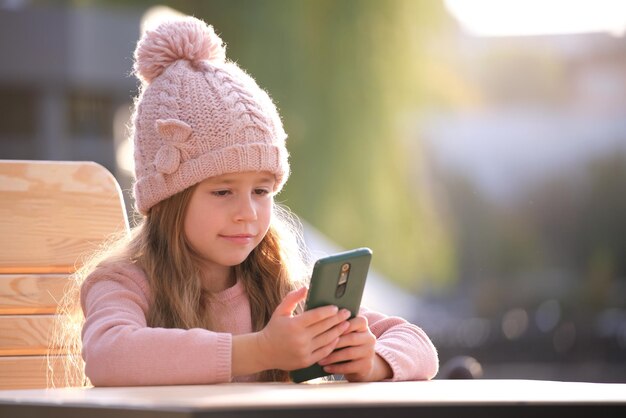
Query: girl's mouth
(240,239)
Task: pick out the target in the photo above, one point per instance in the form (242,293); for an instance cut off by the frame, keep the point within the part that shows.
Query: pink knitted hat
(198,115)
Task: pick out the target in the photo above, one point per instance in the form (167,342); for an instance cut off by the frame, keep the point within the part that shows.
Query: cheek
(264,215)
(267,210)
(189,227)
(195,221)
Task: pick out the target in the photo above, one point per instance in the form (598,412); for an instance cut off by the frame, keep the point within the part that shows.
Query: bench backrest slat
(51,213)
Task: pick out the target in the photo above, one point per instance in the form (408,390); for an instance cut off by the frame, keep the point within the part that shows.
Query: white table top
(283,395)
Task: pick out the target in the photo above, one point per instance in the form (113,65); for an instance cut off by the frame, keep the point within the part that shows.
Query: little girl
(207,286)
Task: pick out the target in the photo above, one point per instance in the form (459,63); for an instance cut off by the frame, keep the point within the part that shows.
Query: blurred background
(477,146)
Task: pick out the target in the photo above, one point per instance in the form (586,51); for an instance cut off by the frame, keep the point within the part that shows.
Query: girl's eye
(221,193)
(261,192)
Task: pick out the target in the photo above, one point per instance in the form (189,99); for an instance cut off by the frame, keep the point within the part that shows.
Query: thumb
(290,302)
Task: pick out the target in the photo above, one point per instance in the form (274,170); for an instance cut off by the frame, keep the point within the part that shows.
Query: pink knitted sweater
(120,349)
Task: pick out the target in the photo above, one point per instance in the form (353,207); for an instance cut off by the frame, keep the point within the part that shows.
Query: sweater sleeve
(120,349)
(404,346)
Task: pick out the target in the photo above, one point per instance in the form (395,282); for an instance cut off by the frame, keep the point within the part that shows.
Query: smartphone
(338,280)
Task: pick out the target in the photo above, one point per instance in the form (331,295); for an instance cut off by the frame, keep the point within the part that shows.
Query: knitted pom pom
(187,39)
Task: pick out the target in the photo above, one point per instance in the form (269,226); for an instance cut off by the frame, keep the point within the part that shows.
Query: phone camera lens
(341,289)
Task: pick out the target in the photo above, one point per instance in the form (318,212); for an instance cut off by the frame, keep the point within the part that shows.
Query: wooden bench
(52,214)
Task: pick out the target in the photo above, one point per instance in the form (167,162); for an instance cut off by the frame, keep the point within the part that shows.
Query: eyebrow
(267,179)
(229,180)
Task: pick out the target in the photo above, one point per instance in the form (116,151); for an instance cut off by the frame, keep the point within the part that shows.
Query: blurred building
(64,73)
(545,104)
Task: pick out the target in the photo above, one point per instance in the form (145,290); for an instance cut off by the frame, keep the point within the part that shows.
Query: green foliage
(581,221)
(563,238)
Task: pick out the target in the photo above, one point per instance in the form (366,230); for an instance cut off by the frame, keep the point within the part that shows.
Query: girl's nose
(246,210)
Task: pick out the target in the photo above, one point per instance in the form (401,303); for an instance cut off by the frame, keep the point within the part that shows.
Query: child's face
(229,215)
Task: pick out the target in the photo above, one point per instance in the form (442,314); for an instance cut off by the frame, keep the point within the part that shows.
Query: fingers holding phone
(355,344)
(354,355)
(292,342)
(324,326)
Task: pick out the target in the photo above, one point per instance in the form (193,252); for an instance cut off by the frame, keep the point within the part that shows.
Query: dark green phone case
(324,290)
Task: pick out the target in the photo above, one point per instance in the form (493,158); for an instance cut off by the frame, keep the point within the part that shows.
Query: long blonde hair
(158,245)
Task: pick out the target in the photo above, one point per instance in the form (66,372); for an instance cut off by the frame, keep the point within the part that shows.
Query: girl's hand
(356,349)
(291,342)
